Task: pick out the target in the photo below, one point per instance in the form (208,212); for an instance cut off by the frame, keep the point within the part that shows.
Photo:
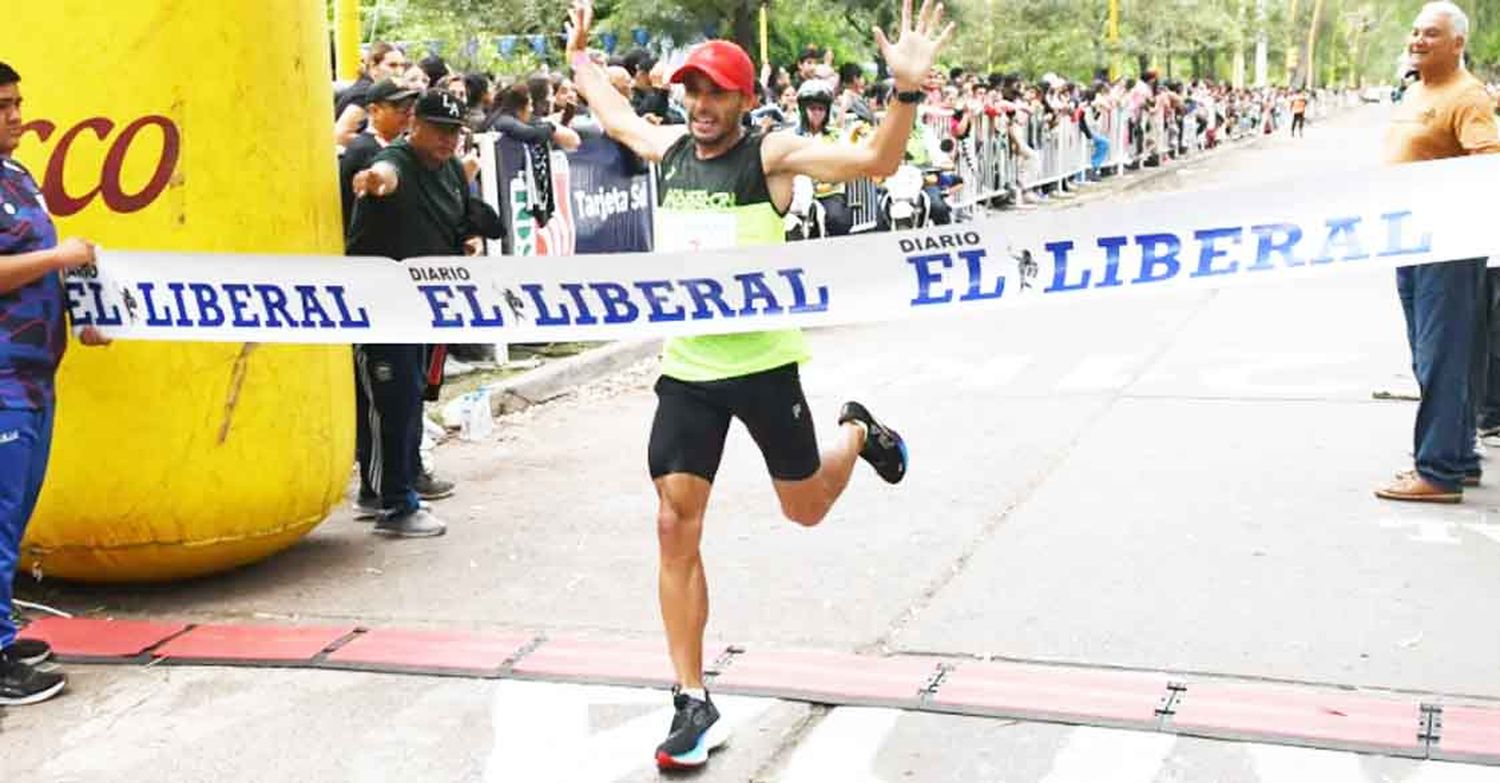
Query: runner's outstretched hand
(916,47)
(580,19)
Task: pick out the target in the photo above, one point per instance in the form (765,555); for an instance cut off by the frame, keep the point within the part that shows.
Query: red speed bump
(86,639)
(603,662)
(1301,716)
(1468,734)
(829,678)
(428,652)
(252,644)
(1053,693)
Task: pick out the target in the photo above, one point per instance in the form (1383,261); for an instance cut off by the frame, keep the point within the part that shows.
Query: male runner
(724,185)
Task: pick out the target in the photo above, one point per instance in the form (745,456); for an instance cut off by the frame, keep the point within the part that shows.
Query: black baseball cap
(440,107)
(387,91)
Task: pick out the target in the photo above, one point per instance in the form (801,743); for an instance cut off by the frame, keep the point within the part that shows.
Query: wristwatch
(914,97)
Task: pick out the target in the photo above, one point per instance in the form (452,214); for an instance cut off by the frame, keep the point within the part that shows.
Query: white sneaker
(421,523)
(366,509)
(454,368)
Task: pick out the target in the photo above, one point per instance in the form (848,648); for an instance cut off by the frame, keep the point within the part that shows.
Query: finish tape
(1389,216)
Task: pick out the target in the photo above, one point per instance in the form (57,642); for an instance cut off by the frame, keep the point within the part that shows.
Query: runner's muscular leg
(683,585)
(808,501)
(775,411)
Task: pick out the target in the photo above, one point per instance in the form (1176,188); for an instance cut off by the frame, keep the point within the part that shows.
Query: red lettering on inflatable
(59,200)
(109,182)
(109,186)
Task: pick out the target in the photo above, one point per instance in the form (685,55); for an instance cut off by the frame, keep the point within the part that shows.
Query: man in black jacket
(412,201)
(390,109)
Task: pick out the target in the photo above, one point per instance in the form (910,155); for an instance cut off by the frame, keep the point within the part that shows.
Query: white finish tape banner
(1389,216)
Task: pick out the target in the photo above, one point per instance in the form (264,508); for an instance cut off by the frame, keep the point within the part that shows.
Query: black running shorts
(692,422)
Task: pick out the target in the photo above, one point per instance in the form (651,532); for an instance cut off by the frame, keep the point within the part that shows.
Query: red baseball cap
(724,63)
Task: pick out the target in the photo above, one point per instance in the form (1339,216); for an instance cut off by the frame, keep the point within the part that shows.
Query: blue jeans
(939,212)
(1441,304)
(25,445)
(1101,152)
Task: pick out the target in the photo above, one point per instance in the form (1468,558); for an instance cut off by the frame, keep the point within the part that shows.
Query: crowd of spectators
(1162,118)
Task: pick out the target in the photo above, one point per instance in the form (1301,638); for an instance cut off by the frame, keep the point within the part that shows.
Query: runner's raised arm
(909,58)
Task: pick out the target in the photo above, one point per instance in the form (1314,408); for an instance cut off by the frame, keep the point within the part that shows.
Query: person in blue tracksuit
(33,336)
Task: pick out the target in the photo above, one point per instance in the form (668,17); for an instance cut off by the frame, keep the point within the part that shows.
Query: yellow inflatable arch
(185,126)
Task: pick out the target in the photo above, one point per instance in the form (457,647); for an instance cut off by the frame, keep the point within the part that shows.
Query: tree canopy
(1354,41)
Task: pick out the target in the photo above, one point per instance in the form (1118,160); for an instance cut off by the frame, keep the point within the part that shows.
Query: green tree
(465,30)
(1069,37)
(844,27)
(1358,41)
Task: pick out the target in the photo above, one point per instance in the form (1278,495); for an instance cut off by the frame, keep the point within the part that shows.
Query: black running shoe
(884,449)
(695,731)
(30,651)
(21,684)
(430,487)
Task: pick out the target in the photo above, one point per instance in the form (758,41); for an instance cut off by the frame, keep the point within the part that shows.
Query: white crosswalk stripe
(1277,763)
(545,731)
(1100,372)
(1443,772)
(842,747)
(1092,754)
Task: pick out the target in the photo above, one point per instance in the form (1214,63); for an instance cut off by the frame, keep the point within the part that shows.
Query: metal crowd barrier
(998,159)
(864,204)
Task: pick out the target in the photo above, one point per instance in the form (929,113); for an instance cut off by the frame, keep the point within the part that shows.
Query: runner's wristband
(914,97)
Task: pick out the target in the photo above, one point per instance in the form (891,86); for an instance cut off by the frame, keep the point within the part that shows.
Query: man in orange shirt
(1299,114)
(1447,114)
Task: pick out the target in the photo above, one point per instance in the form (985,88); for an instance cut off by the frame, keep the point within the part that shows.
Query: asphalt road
(1168,482)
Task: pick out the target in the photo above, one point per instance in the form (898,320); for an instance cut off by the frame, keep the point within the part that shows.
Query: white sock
(695,693)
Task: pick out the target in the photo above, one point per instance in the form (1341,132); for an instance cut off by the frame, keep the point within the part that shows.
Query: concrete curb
(557,378)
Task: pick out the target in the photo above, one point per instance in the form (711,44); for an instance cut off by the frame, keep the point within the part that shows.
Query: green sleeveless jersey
(713,204)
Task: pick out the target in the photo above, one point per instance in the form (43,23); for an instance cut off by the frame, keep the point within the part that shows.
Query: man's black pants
(838,219)
(391,381)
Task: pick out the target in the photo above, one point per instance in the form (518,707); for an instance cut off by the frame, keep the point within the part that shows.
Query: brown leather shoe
(1410,486)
